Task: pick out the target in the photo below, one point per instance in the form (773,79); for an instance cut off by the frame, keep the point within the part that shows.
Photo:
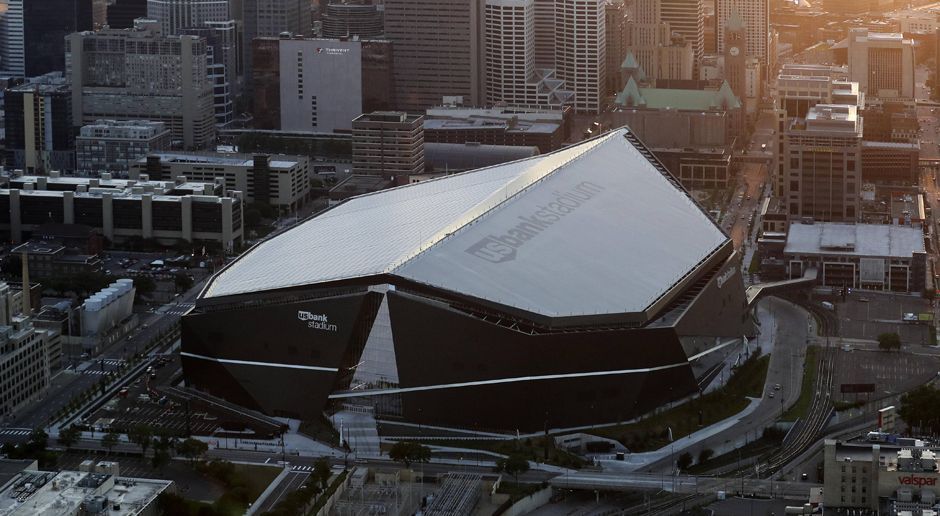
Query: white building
(175,15)
(106,308)
(581,51)
(881,64)
(511,74)
(756,16)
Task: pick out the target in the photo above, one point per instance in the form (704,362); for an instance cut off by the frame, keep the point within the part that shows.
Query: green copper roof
(629,62)
(660,98)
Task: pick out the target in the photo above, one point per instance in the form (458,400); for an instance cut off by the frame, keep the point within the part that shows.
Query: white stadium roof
(595,228)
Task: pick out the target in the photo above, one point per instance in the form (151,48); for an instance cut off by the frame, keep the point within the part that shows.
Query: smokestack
(27,308)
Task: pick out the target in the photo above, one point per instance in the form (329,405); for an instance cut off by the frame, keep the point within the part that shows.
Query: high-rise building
(390,144)
(122,13)
(350,20)
(32,34)
(581,51)
(272,18)
(756,17)
(12,51)
(222,46)
(511,75)
(132,74)
(38,124)
(822,160)
(881,63)
(687,18)
(438,51)
(545,33)
(176,15)
(662,53)
(616,27)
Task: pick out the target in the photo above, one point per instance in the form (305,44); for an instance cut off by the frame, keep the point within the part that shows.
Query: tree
(321,471)
(141,435)
(68,436)
(705,455)
(408,452)
(192,449)
(160,459)
(889,341)
(38,440)
(109,440)
(685,460)
(145,285)
(919,409)
(514,464)
(183,281)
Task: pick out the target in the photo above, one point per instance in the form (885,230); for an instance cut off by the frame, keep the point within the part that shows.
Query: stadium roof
(592,229)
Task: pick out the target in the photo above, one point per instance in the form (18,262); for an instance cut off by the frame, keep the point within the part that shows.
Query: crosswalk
(180,309)
(114,361)
(15,432)
(307,469)
(96,371)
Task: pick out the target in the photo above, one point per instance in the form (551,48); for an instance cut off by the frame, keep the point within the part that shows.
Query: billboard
(856,388)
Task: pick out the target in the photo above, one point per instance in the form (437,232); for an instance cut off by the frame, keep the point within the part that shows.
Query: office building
(280,181)
(45,25)
(122,13)
(882,64)
(51,259)
(390,144)
(892,122)
(311,85)
(169,212)
(511,76)
(12,38)
(270,19)
(222,65)
(113,146)
(822,161)
(615,12)
(545,34)
(38,125)
(96,488)
(499,262)
(176,15)
(438,52)
(655,50)
(114,74)
(859,256)
(349,20)
(687,18)
(581,51)
(546,130)
(890,163)
(755,15)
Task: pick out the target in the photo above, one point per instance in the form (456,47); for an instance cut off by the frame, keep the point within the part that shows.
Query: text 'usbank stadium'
(502,247)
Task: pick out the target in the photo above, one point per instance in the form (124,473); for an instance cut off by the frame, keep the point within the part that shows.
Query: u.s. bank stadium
(577,287)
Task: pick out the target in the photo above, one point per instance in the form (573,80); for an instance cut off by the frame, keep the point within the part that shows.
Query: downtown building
(352,305)
(112,146)
(176,15)
(120,210)
(881,63)
(389,144)
(755,15)
(137,74)
(271,19)
(32,34)
(38,125)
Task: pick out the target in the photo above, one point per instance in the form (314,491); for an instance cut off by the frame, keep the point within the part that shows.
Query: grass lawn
(651,433)
(532,448)
(806,389)
(258,478)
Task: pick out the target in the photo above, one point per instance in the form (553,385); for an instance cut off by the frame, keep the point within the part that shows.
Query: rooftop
(64,493)
(683,99)
(867,240)
(457,157)
(595,228)
(225,159)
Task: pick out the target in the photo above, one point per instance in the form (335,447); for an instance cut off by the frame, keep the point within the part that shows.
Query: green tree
(192,449)
(145,285)
(69,436)
(321,471)
(889,341)
(685,460)
(515,464)
(408,452)
(109,440)
(141,435)
(919,409)
(38,440)
(183,281)
(160,459)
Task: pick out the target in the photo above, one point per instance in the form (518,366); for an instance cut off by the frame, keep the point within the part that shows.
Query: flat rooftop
(225,159)
(863,240)
(62,493)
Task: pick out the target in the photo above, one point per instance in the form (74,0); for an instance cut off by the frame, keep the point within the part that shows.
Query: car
(863,300)
(777,387)
(804,477)
(771,395)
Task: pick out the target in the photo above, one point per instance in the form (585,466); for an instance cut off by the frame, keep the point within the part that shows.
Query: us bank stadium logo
(316,321)
(502,247)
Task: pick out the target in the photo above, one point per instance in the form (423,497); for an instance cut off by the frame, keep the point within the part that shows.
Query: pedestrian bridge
(755,292)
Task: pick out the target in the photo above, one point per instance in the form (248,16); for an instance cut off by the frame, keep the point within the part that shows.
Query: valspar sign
(916,481)
(501,247)
(316,321)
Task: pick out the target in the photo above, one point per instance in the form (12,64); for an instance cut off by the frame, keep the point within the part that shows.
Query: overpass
(755,292)
(633,481)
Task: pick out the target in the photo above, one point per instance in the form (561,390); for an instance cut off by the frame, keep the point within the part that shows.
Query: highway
(683,484)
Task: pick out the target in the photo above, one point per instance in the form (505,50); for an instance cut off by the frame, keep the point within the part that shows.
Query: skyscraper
(545,33)
(271,18)
(175,15)
(662,51)
(12,46)
(32,34)
(882,64)
(756,16)
(581,51)
(122,13)
(687,18)
(616,27)
(437,51)
(511,75)
(38,123)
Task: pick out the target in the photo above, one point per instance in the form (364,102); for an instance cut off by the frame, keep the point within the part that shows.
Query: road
(790,330)
(682,484)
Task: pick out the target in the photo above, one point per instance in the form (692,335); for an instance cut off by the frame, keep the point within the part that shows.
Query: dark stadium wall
(436,345)
(316,333)
(720,308)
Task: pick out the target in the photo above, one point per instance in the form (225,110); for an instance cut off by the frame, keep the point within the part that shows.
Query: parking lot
(891,372)
(865,315)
